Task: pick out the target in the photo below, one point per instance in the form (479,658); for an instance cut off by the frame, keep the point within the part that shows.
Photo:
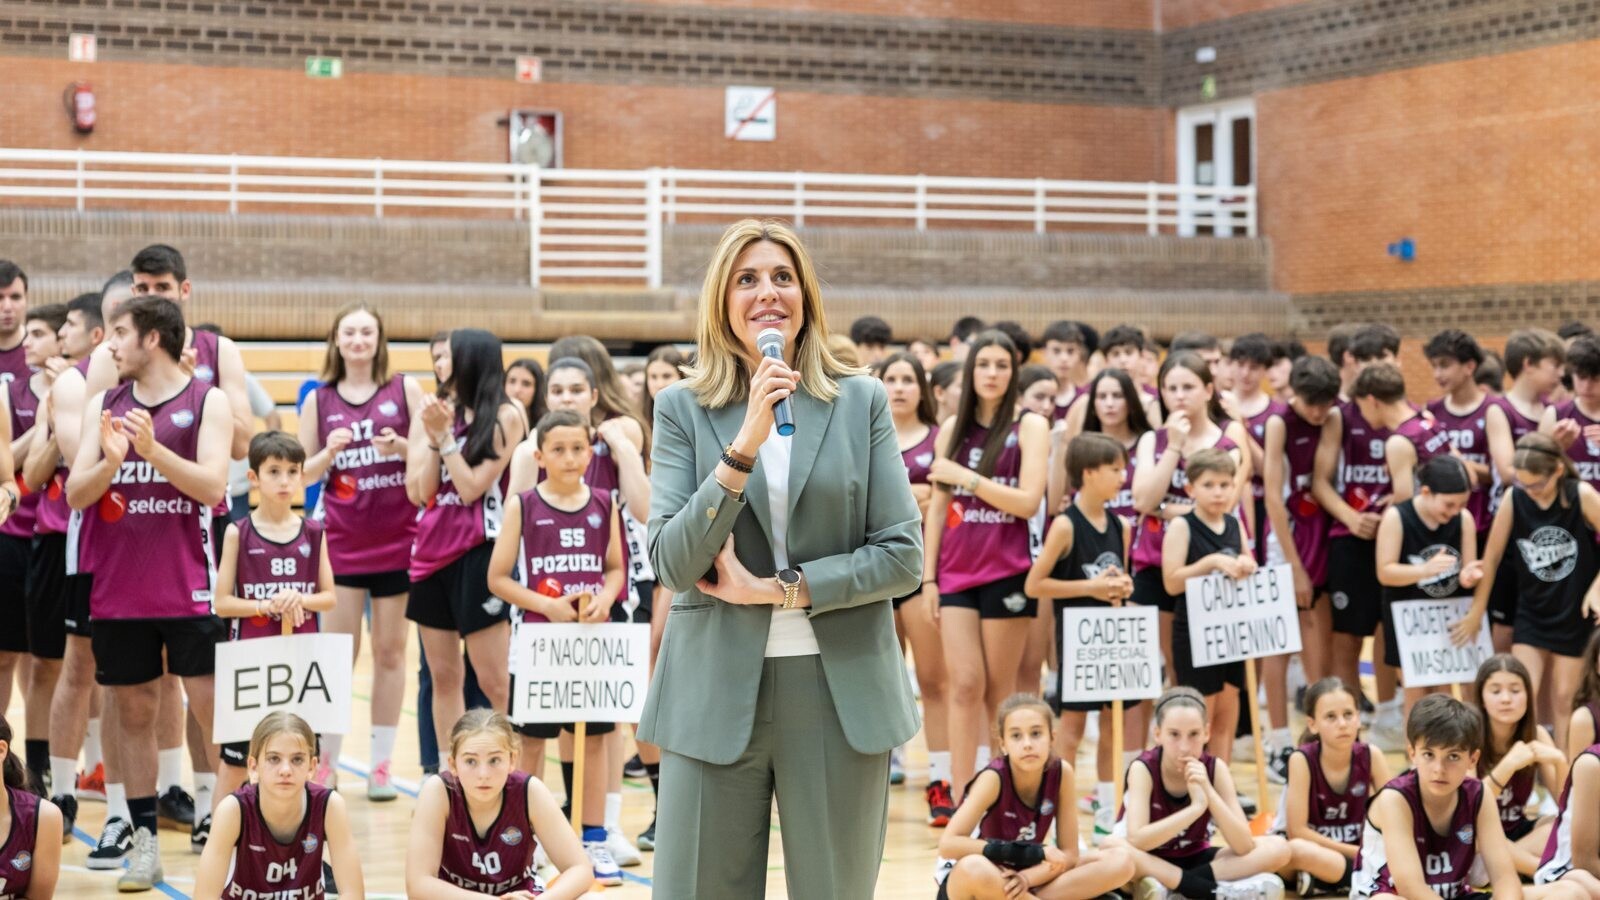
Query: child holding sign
(275,571)
(1427,829)
(1515,751)
(997,835)
(269,838)
(1204,540)
(1332,775)
(561,539)
(1176,791)
(1085,563)
(1572,854)
(1427,548)
(477,825)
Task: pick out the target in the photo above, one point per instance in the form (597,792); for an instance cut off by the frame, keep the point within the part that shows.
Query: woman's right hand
(772,381)
(1178,428)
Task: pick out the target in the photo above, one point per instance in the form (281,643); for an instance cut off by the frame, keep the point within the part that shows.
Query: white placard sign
(306,674)
(579,673)
(751,114)
(1245,619)
(1428,658)
(1110,653)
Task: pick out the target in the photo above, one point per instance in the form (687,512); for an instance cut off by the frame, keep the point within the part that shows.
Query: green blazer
(855,533)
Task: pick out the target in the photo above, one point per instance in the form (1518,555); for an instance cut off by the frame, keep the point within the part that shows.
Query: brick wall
(1175,14)
(1139,14)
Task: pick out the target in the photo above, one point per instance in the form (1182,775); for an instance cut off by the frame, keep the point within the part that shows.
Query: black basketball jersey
(1553,553)
(1418,544)
(1093,551)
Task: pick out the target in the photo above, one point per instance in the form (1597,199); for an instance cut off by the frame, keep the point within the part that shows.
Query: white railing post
(79,191)
(534,225)
(922,202)
(1250,214)
(652,228)
(799,199)
(1152,202)
(671,198)
(233,185)
(1038,206)
(377,187)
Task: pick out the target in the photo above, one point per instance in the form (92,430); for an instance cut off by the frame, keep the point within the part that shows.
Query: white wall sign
(81,47)
(751,114)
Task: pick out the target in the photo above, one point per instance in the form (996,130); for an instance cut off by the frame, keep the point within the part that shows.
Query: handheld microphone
(770,343)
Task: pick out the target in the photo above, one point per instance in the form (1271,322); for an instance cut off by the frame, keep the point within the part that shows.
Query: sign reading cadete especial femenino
(1110,653)
(1248,618)
(579,673)
(306,674)
(1428,657)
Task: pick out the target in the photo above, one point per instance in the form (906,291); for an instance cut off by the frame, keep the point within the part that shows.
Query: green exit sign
(324,67)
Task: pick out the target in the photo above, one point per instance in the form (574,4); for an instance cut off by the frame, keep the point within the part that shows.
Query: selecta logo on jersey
(344,486)
(56,486)
(113,506)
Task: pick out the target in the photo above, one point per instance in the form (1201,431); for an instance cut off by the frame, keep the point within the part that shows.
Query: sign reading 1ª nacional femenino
(1110,653)
(1248,618)
(579,673)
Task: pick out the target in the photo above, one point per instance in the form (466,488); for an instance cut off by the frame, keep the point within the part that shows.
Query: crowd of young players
(1109,474)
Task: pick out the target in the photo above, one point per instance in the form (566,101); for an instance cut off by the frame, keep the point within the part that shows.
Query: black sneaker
(68,805)
(330,887)
(200,834)
(1367,708)
(115,842)
(634,768)
(1278,766)
(647,840)
(176,806)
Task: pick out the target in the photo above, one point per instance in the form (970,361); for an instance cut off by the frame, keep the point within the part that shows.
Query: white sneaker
(1244,748)
(144,863)
(1388,734)
(897,767)
(622,849)
(605,867)
(1091,728)
(1295,678)
(1150,889)
(1265,886)
(1105,820)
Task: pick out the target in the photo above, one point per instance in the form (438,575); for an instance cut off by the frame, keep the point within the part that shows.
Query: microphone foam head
(769,337)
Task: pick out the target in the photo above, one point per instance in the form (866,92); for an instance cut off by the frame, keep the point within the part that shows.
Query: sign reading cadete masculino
(579,673)
(1248,618)
(306,674)
(1428,657)
(1110,653)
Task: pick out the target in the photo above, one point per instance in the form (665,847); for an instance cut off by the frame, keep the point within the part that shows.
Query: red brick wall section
(1486,163)
(1138,14)
(1176,14)
(168,108)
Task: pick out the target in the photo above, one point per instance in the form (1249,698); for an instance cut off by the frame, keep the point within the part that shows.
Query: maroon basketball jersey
(207,371)
(1556,860)
(1363,473)
(919,458)
(371,522)
(1584,453)
(24,411)
(1307,519)
(988,544)
(267,567)
(1257,424)
(1446,858)
(16,854)
(1195,838)
(1428,437)
(1010,818)
(563,552)
(141,510)
(14,364)
(495,863)
(1338,815)
(1513,801)
(1470,437)
(263,867)
(1152,529)
(1520,425)
(449,526)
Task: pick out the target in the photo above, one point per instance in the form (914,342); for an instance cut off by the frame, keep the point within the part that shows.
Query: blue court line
(161,886)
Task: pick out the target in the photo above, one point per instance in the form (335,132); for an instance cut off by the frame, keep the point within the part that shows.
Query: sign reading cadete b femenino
(1110,653)
(1232,620)
(579,673)
(1428,657)
(306,674)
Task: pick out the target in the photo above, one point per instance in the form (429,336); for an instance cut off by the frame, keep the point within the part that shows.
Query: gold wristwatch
(789,580)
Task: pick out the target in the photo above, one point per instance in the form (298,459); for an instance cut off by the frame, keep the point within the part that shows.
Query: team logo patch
(22,862)
(1341,600)
(388,407)
(494,606)
(1442,585)
(204,373)
(1101,563)
(512,836)
(600,449)
(1015,602)
(309,844)
(1047,807)
(1011,439)
(924,459)
(1358,790)
(1465,835)
(594,520)
(183,418)
(305,549)
(5,377)
(1550,553)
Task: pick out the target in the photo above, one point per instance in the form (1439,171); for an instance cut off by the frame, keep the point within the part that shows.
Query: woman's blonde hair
(719,375)
(276,723)
(333,363)
(484,721)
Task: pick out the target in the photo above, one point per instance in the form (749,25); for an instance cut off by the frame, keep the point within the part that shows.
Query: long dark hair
(927,414)
(1138,422)
(1526,729)
(1333,684)
(1589,687)
(612,395)
(666,353)
(15,775)
(1195,364)
(477,382)
(967,412)
(536,407)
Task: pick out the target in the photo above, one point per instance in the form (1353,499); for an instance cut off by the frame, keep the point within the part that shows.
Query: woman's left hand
(946,471)
(734,582)
(437,417)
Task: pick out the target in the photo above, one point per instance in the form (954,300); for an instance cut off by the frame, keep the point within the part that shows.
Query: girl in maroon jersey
(1175,791)
(1583,726)
(525,385)
(994,847)
(476,827)
(1516,752)
(269,838)
(1332,775)
(1036,387)
(30,858)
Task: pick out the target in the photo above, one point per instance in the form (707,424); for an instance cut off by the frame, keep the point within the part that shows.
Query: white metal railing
(606,225)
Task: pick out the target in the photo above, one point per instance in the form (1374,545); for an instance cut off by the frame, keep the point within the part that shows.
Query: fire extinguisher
(79,101)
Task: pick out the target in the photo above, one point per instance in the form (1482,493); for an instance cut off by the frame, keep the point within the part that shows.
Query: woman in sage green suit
(779,672)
